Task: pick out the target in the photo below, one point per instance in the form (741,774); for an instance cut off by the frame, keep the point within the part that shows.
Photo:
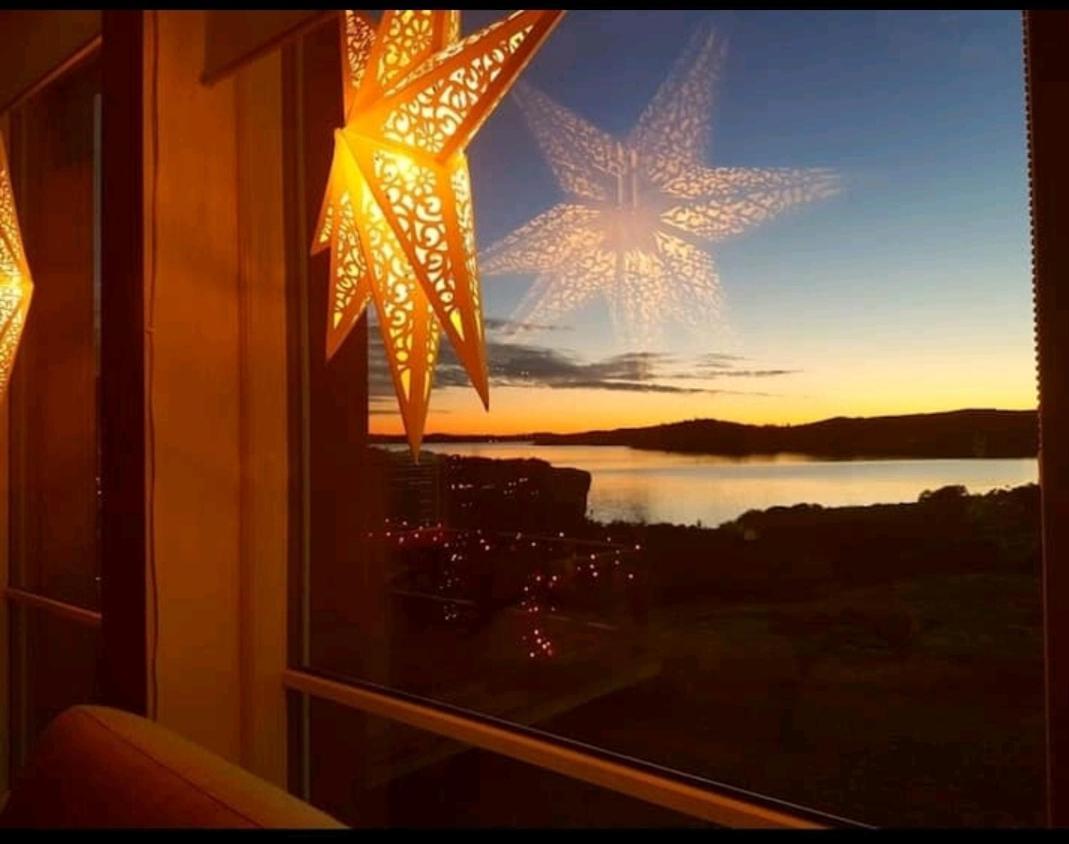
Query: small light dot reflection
(567,587)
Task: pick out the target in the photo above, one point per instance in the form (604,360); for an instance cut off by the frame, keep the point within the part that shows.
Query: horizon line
(527,434)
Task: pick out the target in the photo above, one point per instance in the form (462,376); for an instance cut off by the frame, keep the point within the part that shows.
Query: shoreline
(750,457)
(703,493)
(959,434)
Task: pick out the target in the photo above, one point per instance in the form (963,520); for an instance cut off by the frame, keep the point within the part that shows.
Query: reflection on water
(655,486)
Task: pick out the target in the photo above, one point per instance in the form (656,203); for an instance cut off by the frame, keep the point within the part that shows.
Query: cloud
(719,365)
(531,366)
(753,373)
(520,365)
(717,360)
(513,326)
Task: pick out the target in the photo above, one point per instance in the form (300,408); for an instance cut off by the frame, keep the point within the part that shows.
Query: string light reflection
(565,579)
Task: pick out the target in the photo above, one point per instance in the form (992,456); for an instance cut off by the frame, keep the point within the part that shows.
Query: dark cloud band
(530,366)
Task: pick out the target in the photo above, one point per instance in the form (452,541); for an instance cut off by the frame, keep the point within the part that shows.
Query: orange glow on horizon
(1000,377)
(575,411)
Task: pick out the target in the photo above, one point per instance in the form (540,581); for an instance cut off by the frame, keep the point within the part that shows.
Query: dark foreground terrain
(882,663)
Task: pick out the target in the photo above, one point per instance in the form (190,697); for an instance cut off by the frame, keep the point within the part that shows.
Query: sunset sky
(908,291)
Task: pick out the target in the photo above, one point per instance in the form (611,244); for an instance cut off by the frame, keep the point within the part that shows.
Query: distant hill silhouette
(955,434)
(960,433)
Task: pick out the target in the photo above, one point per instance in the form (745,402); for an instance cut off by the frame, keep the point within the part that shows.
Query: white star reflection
(642,213)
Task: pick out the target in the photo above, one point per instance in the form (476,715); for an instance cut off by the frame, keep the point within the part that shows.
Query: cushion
(101,767)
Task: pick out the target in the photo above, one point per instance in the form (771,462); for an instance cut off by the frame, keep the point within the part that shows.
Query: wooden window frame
(123,424)
(121,617)
(25,598)
(1046,35)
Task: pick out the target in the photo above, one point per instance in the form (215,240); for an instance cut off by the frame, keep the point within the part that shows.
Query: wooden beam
(263,420)
(79,615)
(122,365)
(1047,70)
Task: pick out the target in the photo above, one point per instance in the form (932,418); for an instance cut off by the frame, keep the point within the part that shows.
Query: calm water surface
(656,486)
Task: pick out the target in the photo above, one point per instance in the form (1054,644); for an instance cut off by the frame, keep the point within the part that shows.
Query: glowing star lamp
(397,214)
(16,287)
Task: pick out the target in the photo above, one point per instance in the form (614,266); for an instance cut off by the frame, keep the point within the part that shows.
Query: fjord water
(634,485)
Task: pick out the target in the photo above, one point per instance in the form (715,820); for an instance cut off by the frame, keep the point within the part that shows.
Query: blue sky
(910,290)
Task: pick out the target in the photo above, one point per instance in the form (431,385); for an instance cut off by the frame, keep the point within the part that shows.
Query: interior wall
(218,382)
(263,418)
(194,391)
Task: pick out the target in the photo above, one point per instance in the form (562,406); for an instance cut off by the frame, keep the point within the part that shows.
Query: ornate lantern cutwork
(397,215)
(16,285)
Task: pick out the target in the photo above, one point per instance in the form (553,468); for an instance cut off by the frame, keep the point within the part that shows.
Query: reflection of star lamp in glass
(642,212)
(397,214)
(16,286)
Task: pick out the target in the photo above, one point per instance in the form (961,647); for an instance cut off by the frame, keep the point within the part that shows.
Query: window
(751,532)
(418,779)
(838,620)
(53,494)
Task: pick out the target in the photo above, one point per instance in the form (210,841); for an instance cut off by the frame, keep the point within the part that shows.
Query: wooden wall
(217,370)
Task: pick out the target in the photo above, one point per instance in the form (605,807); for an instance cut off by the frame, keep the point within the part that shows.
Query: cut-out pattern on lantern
(16,285)
(641,213)
(397,214)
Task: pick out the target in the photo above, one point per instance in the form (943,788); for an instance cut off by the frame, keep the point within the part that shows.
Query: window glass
(53,392)
(755,499)
(371,772)
(54,665)
(53,537)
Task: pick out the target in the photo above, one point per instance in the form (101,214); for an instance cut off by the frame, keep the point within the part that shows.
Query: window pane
(371,772)
(54,666)
(53,405)
(756,497)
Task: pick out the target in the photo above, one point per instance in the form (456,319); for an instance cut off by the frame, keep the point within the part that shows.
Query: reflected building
(414,489)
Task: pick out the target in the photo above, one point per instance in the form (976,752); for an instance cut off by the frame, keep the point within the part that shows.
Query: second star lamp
(16,285)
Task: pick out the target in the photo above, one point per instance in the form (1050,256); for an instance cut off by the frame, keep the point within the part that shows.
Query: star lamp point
(16,284)
(397,214)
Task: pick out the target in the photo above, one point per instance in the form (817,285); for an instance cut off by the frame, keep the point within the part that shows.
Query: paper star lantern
(643,213)
(397,215)
(16,286)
